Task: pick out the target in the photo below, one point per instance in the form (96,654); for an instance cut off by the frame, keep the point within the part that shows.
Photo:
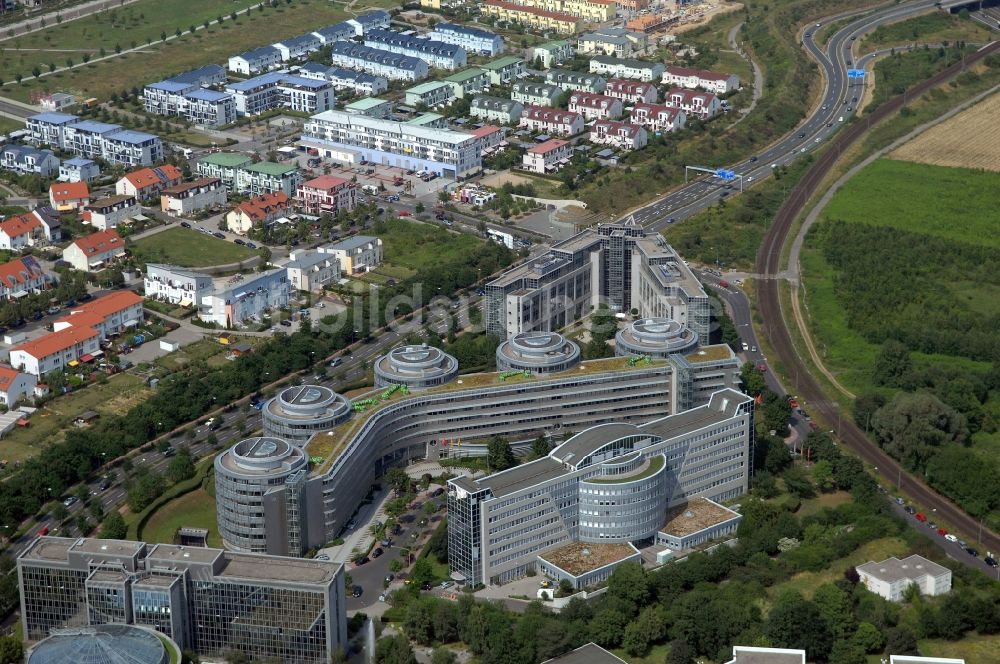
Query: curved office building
(249,478)
(537,352)
(105,644)
(417,367)
(626,501)
(299,412)
(655,337)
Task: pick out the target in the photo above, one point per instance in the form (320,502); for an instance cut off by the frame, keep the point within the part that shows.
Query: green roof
(425,118)
(230,159)
(655,463)
(365,104)
(548,46)
(426,87)
(464,75)
(500,63)
(271,168)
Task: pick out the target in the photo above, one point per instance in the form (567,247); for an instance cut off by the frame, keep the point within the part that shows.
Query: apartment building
(490,138)
(472,40)
(203,76)
(378,62)
(86,138)
(26,160)
(312,270)
(703,105)
(468,82)
(358,82)
(504,71)
(200,194)
(247,301)
(430,94)
(496,109)
(891,578)
(631,92)
(222,165)
(23,276)
(298,46)
(374,20)
(55,351)
(637,70)
(110,212)
(530,93)
(238,173)
(67,196)
(551,121)
(594,106)
(93,252)
(189,101)
(78,169)
(532,17)
(357,254)
(176,285)
(258,211)
(30,229)
(437,54)
(574,80)
(448,153)
(658,118)
(373,107)
(210,601)
(255,60)
(326,195)
(621,135)
(146,184)
(685,77)
(610,484)
(547,157)
(16,386)
(552,53)
(334,33)
(281,90)
(108,315)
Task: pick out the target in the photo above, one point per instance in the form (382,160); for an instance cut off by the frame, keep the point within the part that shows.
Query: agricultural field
(188,248)
(935,28)
(959,141)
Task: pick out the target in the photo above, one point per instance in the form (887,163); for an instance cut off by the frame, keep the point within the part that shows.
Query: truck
(370,189)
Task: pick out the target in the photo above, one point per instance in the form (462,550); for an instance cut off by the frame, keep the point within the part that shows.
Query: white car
(951,538)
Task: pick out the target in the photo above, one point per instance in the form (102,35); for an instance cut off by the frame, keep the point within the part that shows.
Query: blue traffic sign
(724,174)
(855,73)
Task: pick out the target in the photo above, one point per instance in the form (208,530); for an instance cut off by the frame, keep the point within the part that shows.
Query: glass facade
(52,598)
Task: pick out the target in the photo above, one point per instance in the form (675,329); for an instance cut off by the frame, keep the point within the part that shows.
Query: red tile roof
(7,376)
(510,6)
(699,73)
(18,271)
(147,177)
(98,310)
(68,191)
(592,100)
(260,207)
(100,242)
(547,146)
(485,130)
(20,224)
(546,114)
(55,342)
(325,182)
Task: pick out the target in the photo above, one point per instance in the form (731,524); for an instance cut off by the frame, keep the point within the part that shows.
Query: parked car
(185,224)
(251,245)
(390,577)
(405,213)
(951,538)
(356,591)
(239,241)
(219,235)
(920,516)
(377,552)
(972,552)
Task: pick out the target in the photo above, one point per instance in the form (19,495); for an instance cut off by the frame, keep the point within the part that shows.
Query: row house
(95,251)
(334,33)
(86,138)
(147,183)
(496,109)
(631,92)
(620,135)
(594,106)
(260,210)
(357,82)
(281,90)
(472,40)
(532,17)
(574,80)
(547,157)
(430,94)
(110,212)
(203,76)
(78,169)
(108,315)
(68,196)
(618,42)
(326,195)
(551,121)
(23,276)
(30,229)
(504,71)
(176,285)
(435,53)
(55,351)
(374,20)
(536,94)
(468,82)
(553,53)
(255,60)
(591,11)
(200,194)
(26,160)
(378,62)
(294,48)
(686,77)
(638,70)
(658,118)
(704,105)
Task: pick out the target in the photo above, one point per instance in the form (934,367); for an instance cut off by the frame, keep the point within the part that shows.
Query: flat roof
(58,548)
(271,168)
(230,159)
(578,558)
(894,569)
(465,75)
(427,87)
(275,568)
(590,653)
(579,446)
(748,655)
(367,103)
(698,514)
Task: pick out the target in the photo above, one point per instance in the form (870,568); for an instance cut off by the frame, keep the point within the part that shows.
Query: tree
(823,474)
(680,653)
(650,626)
(752,378)
(913,425)
(796,623)
(797,482)
(835,607)
(900,641)
(540,447)
(180,468)
(394,650)
(418,623)
(892,365)
(11,650)
(114,526)
(868,638)
(629,582)
(847,651)
(607,628)
(397,480)
(419,207)
(499,455)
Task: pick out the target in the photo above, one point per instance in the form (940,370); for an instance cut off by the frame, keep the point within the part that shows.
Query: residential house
(358,82)
(504,71)
(686,77)
(547,157)
(658,118)
(373,107)
(111,211)
(281,90)
(435,53)
(255,60)
(92,252)
(222,165)
(649,23)
(146,184)
(267,177)
(532,17)
(551,121)
(574,80)
(78,169)
(472,40)
(326,194)
(378,62)
(594,106)
(176,285)
(203,76)
(334,33)
(312,270)
(430,94)
(431,4)
(55,351)
(618,42)
(357,254)
(188,197)
(16,386)
(108,315)
(468,82)
(619,134)
(631,92)
(259,210)
(704,105)
(496,109)
(249,300)
(375,20)
(758,655)
(68,196)
(891,577)
(430,120)
(489,137)
(297,47)
(30,229)
(637,70)
(552,53)
(26,160)
(23,276)
(530,93)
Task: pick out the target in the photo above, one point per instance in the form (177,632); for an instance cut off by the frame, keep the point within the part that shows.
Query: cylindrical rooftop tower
(299,412)
(655,337)
(417,367)
(537,352)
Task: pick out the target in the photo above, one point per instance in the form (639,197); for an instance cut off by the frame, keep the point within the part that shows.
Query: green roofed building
(373,107)
(238,173)
(431,93)
(469,82)
(504,71)
(553,53)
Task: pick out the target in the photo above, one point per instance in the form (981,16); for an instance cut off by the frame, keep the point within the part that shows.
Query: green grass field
(192,354)
(807,582)
(972,648)
(9,124)
(188,248)
(195,510)
(934,28)
(953,203)
(419,246)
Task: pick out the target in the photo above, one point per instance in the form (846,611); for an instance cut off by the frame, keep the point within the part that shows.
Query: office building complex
(440,55)
(416,367)
(87,138)
(472,40)
(609,484)
(103,644)
(378,62)
(297,413)
(655,337)
(207,600)
(448,153)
